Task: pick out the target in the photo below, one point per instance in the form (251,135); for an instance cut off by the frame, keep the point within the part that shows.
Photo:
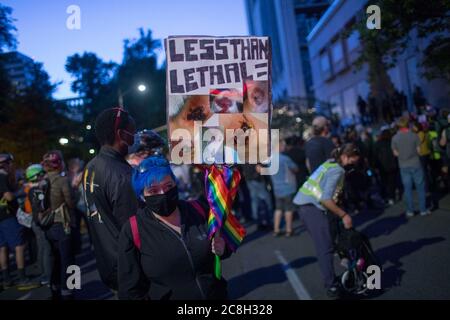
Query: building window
(363,89)
(310,23)
(353,41)
(336,104)
(325,65)
(337,54)
(349,102)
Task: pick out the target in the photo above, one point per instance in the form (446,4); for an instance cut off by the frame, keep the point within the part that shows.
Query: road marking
(294,280)
(25,297)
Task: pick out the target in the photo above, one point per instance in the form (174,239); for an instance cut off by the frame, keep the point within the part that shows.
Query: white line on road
(294,280)
(26,296)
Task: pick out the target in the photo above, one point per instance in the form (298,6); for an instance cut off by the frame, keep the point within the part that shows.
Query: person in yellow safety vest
(436,152)
(317,199)
(435,166)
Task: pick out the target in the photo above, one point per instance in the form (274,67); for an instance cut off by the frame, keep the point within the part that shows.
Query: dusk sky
(43,35)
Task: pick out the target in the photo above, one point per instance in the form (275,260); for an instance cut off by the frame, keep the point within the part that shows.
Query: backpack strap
(198,208)
(135,232)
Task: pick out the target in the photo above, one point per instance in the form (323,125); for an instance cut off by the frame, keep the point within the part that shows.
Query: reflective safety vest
(436,151)
(312,186)
(27,204)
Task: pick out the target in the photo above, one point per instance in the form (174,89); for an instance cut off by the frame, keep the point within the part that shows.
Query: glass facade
(307,14)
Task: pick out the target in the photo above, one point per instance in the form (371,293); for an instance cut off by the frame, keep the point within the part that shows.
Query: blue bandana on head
(151,170)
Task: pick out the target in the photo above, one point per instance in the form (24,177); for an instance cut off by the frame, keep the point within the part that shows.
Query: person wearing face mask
(110,199)
(318,198)
(164,250)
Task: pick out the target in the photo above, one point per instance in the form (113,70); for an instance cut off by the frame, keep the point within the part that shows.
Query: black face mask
(163,204)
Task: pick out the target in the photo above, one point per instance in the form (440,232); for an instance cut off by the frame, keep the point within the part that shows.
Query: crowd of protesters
(135,206)
(40,211)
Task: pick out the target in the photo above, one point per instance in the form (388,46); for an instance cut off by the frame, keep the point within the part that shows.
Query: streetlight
(63,141)
(91,151)
(88,127)
(141,88)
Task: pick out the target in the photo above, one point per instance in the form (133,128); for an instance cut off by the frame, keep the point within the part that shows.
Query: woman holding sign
(164,251)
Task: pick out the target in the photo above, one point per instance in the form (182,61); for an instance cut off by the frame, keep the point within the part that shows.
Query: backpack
(45,217)
(24,213)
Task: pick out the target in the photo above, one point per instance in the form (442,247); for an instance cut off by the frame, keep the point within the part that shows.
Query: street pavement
(415,254)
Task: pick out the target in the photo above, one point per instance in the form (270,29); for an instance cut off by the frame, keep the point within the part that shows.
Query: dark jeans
(318,225)
(425,161)
(388,182)
(260,197)
(436,173)
(62,258)
(414,176)
(75,232)
(44,252)
(244,201)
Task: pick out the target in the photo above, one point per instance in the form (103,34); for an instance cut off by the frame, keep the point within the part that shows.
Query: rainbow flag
(221,187)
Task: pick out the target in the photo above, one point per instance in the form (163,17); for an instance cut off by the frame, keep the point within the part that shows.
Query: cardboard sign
(219,100)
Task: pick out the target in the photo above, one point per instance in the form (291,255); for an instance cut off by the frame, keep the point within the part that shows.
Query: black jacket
(169,265)
(7,209)
(111,201)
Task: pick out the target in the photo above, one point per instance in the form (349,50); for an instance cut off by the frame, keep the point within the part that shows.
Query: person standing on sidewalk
(318,199)
(406,147)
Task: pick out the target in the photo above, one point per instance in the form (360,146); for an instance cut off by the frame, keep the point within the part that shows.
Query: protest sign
(218,99)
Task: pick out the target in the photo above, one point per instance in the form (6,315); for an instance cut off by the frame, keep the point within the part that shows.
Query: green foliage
(92,80)
(140,66)
(100,82)
(7,29)
(31,125)
(400,20)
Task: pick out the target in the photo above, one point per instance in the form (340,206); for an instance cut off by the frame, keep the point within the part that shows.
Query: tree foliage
(400,22)
(32,126)
(140,66)
(7,29)
(100,82)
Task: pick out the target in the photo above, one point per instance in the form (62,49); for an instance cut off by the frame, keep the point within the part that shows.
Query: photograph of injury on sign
(219,99)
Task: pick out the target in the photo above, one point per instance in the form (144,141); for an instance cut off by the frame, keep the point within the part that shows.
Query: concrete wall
(344,83)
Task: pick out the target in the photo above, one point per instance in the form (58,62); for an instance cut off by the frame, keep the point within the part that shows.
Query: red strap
(198,208)
(135,232)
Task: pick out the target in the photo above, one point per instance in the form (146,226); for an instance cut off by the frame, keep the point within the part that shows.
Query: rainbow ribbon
(221,185)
